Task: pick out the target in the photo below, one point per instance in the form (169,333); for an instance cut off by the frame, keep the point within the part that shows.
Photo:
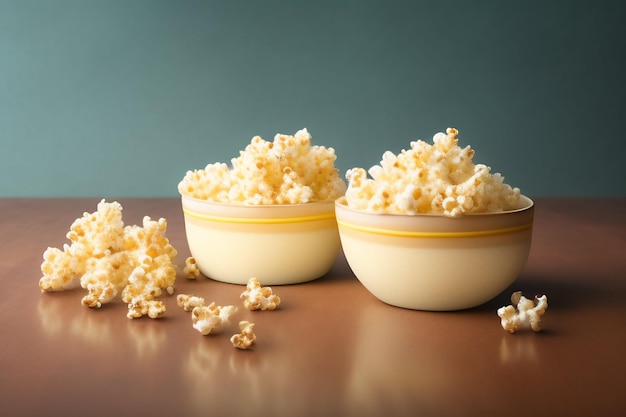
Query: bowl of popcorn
(430,230)
(270,214)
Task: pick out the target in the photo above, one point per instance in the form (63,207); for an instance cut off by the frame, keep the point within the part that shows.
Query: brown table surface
(332,348)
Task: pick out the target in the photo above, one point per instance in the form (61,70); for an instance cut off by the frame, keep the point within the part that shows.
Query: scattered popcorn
(93,236)
(189,302)
(60,272)
(210,319)
(139,307)
(191,269)
(108,259)
(246,337)
(527,314)
(430,179)
(256,297)
(286,171)
(206,319)
(104,278)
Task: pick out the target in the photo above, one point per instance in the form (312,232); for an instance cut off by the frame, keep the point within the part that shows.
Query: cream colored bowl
(437,263)
(278,244)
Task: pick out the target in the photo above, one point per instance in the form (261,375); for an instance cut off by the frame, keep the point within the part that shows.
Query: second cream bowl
(436,263)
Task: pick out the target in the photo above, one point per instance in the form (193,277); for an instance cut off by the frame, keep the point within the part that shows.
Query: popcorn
(189,302)
(152,254)
(109,259)
(206,319)
(139,307)
(256,297)
(286,171)
(105,278)
(59,270)
(430,179)
(246,337)
(210,319)
(528,313)
(94,235)
(191,269)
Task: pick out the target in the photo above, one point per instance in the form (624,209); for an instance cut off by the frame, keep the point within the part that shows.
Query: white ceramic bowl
(278,244)
(436,263)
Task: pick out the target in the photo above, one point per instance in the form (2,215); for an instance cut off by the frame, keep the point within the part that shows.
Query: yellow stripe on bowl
(223,219)
(404,233)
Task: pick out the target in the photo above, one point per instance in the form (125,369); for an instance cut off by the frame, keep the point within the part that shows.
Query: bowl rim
(433,225)
(258,214)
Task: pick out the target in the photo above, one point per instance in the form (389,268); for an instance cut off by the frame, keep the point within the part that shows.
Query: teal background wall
(118,98)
